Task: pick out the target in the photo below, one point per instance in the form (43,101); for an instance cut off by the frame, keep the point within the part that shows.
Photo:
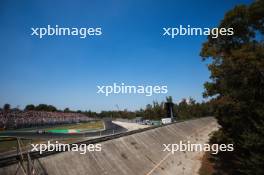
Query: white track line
(156,166)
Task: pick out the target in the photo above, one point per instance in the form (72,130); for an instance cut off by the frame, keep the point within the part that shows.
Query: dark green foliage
(237,88)
(191,109)
(183,110)
(66,110)
(154,111)
(6,107)
(44,107)
(30,107)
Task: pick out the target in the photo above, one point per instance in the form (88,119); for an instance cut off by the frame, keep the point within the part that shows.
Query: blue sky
(64,71)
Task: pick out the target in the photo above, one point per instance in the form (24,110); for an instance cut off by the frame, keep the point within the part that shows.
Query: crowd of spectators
(26,119)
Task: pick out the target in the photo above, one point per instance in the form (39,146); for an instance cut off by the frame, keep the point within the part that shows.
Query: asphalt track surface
(110,128)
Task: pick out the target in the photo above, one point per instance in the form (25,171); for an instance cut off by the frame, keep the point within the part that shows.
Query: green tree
(66,110)
(237,89)
(169,99)
(45,107)
(6,107)
(183,109)
(29,107)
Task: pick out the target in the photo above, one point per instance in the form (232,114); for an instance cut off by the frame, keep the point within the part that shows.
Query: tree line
(185,109)
(237,89)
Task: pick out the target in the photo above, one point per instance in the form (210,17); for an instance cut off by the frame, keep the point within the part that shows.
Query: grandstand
(27,119)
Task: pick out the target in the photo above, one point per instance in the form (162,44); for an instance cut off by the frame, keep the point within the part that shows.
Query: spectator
(21,119)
